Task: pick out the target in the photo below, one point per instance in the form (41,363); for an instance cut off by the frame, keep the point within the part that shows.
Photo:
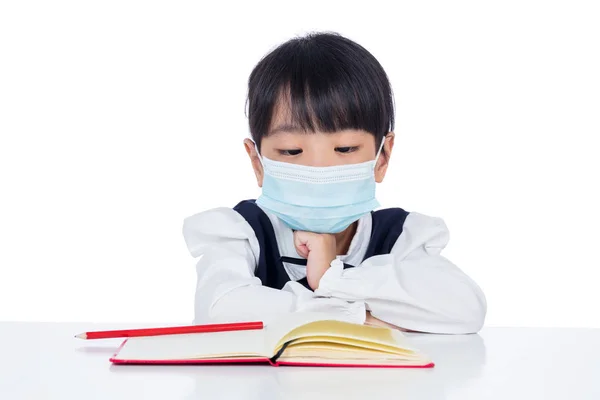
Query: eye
(347,149)
(292,152)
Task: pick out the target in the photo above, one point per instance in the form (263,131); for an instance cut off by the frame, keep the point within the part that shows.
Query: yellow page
(336,353)
(312,324)
(349,344)
(278,329)
(344,330)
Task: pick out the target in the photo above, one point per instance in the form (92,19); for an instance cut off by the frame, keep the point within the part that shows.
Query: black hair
(330,82)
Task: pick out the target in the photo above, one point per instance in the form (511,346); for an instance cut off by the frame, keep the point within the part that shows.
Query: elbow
(224,302)
(207,311)
(206,302)
(465,308)
(468,315)
(212,309)
(453,316)
(469,323)
(457,315)
(203,310)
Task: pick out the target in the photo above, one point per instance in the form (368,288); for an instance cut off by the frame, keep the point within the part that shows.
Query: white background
(120,118)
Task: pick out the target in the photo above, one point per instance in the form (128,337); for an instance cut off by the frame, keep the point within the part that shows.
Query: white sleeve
(413,287)
(227,289)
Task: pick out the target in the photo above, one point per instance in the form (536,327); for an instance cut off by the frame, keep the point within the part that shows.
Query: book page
(246,343)
(319,339)
(278,329)
(307,327)
(345,330)
(350,344)
(343,353)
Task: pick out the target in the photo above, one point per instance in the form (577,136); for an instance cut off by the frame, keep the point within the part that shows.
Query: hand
(319,249)
(372,321)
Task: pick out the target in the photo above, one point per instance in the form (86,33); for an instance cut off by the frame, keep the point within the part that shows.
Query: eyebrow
(285,128)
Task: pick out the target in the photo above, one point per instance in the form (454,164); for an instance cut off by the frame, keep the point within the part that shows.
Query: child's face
(291,144)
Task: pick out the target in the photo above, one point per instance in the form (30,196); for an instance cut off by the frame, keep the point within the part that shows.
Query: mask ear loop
(379,151)
(258,154)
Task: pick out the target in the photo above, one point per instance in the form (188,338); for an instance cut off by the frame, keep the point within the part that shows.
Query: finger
(301,236)
(305,238)
(299,245)
(302,250)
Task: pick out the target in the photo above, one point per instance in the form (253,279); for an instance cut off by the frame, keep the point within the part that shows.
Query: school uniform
(249,270)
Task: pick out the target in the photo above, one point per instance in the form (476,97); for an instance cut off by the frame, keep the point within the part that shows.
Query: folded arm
(413,287)
(228,290)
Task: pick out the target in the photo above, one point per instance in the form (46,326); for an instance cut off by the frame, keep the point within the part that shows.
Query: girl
(321,116)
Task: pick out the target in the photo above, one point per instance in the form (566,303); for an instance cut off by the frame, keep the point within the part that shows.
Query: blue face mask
(318,199)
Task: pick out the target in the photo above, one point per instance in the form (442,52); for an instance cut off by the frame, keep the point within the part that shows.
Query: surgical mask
(318,199)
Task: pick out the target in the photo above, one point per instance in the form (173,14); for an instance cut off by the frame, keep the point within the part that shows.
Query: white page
(195,345)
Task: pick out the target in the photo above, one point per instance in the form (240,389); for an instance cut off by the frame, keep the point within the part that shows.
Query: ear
(254,160)
(384,157)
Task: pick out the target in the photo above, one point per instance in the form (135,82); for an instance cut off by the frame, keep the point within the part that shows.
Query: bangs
(326,83)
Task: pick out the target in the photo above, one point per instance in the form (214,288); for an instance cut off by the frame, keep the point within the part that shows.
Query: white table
(44,361)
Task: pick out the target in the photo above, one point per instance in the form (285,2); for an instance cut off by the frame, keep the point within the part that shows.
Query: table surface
(45,361)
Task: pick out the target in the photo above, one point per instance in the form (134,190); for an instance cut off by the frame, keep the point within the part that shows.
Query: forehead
(292,116)
(282,114)
(294,124)
(284,127)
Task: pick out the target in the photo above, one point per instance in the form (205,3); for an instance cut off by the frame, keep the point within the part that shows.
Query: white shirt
(413,287)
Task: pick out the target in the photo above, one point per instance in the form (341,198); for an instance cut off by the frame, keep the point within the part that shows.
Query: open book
(296,339)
